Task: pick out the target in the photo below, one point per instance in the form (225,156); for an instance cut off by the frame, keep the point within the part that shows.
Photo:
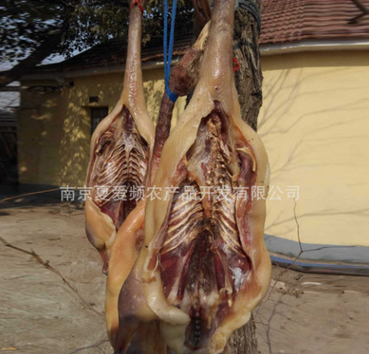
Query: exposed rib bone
(120,151)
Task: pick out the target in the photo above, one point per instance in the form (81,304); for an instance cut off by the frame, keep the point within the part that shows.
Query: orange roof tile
(297,20)
(283,21)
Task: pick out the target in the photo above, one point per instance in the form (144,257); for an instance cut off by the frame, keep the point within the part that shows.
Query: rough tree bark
(249,86)
(249,78)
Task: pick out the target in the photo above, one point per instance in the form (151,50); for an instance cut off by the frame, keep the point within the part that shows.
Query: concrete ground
(59,309)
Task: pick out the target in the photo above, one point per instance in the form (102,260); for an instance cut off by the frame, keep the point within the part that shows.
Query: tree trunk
(47,47)
(249,78)
(249,86)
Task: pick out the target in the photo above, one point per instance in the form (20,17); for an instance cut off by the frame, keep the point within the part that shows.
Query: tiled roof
(296,20)
(283,21)
(113,53)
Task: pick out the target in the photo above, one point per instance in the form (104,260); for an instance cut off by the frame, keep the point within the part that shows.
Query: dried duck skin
(120,152)
(128,241)
(203,266)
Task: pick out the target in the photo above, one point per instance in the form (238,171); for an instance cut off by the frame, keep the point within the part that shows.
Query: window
(97,115)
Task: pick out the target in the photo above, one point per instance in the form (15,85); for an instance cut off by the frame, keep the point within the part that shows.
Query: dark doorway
(97,115)
(8,148)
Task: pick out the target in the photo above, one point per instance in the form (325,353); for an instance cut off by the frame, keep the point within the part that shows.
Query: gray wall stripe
(318,252)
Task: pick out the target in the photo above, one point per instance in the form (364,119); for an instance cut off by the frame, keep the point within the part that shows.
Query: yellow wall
(55,129)
(315,125)
(39,133)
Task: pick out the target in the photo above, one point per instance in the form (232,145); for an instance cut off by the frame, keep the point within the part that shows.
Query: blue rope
(168,53)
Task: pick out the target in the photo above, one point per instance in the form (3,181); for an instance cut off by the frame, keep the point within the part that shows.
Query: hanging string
(138,3)
(236,65)
(168,53)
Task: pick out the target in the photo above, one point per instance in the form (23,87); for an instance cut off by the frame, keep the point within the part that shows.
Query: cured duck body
(128,241)
(203,266)
(121,148)
(201,260)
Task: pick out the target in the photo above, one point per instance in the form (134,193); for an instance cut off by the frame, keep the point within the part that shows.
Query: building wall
(55,128)
(315,125)
(40,127)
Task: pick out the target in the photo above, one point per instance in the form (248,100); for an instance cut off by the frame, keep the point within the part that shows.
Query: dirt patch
(40,313)
(314,314)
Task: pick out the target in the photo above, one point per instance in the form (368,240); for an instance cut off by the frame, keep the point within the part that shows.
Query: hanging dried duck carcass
(121,147)
(203,265)
(127,244)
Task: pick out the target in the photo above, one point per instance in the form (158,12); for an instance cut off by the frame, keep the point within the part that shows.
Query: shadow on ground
(40,313)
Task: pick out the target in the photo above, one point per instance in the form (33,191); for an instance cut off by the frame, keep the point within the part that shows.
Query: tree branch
(46,264)
(96,345)
(47,47)
(362,8)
